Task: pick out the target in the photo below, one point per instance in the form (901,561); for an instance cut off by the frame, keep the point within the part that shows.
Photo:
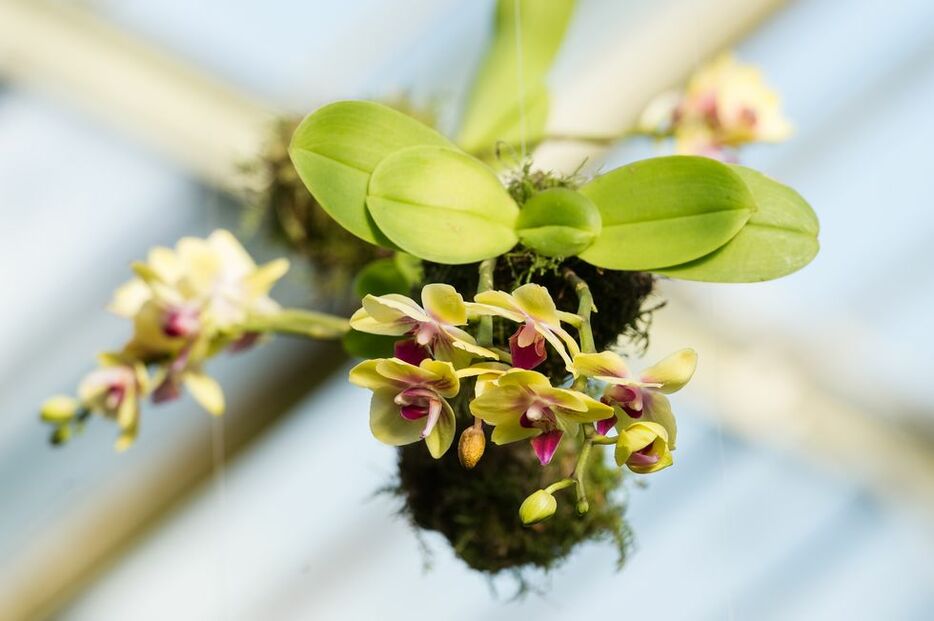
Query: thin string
(520,81)
(211,218)
(218,446)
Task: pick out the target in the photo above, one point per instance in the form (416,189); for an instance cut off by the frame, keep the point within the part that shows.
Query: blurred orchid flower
(114,390)
(532,306)
(725,105)
(432,327)
(643,396)
(524,405)
(643,447)
(200,286)
(410,402)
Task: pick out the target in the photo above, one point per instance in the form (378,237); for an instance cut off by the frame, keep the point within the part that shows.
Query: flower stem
(580,470)
(559,485)
(485,329)
(584,309)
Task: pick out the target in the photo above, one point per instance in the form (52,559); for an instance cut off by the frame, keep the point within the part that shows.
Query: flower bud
(471,446)
(537,507)
(59,409)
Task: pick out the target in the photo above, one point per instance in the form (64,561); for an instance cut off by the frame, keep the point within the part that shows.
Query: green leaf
(494,109)
(442,205)
(666,211)
(558,222)
(369,346)
(780,238)
(298,321)
(380,277)
(336,148)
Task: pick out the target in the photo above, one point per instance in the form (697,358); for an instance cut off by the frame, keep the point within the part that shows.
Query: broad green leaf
(336,148)
(442,205)
(297,321)
(494,110)
(559,222)
(380,277)
(666,211)
(780,238)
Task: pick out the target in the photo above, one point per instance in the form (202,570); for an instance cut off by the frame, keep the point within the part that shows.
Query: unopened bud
(59,409)
(537,507)
(471,446)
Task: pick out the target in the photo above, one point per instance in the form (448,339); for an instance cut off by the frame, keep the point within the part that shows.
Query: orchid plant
(489,347)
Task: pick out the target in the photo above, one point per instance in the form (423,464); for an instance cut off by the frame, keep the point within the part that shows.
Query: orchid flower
(114,390)
(524,405)
(725,104)
(432,327)
(643,447)
(733,100)
(410,402)
(639,397)
(201,286)
(532,306)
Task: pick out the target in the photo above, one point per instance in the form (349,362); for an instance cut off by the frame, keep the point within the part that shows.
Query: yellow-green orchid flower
(639,397)
(201,285)
(432,326)
(532,306)
(114,390)
(643,447)
(524,405)
(410,402)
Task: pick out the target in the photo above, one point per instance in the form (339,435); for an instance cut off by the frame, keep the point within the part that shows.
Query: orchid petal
(445,381)
(511,431)
(636,437)
(363,322)
(570,318)
(545,445)
(261,280)
(673,372)
(386,422)
(206,391)
(444,304)
(590,410)
(524,378)
(393,307)
(602,365)
(230,251)
(536,302)
(498,303)
(443,432)
(602,427)
(501,404)
(528,356)
(366,375)
(409,351)
(402,373)
(558,347)
(463,340)
(129,298)
(657,408)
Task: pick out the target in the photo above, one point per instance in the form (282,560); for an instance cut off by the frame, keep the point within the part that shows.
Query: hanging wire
(520,80)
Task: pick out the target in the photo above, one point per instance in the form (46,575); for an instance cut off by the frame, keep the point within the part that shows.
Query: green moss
(477,510)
